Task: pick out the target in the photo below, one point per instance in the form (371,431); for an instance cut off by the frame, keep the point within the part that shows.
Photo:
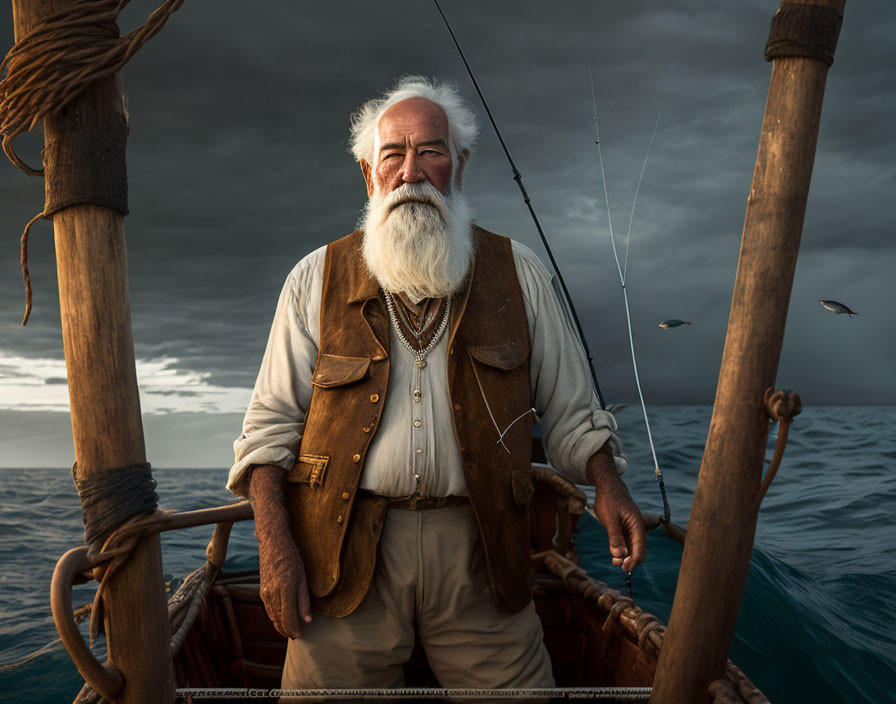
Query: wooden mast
(91,259)
(723,518)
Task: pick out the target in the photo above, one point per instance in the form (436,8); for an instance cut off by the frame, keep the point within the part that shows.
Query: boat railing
(77,567)
(555,509)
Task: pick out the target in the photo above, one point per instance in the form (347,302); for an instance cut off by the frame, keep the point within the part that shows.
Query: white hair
(462,128)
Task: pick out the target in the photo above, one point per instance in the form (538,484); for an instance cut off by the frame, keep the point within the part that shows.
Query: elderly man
(387,444)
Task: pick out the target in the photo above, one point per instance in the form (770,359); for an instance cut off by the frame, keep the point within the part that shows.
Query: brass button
(374,398)
(345,496)
(417,423)
(456,406)
(339,518)
(356,458)
(366,428)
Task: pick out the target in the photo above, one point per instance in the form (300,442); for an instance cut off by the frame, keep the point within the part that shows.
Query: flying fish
(837,308)
(673,323)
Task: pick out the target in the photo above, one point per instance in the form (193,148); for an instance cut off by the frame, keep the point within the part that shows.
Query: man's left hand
(620,515)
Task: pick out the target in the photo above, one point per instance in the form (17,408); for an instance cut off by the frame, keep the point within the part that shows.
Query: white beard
(423,249)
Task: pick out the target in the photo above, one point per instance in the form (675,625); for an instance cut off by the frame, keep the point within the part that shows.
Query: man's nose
(410,168)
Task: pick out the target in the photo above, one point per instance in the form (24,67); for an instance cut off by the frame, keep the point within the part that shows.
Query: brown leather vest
(335,526)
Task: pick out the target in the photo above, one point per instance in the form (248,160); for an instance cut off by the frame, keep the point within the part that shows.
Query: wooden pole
(723,518)
(91,259)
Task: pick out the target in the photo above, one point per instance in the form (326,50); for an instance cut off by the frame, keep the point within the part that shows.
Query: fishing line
(631,217)
(518,177)
(622,274)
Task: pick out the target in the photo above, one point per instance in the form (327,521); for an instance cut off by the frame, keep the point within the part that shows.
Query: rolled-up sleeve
(573,425)
(275,419)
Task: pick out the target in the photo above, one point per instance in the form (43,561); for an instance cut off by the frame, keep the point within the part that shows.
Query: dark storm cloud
(238,167)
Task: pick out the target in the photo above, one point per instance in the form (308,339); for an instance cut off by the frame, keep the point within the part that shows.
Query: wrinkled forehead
(416,118)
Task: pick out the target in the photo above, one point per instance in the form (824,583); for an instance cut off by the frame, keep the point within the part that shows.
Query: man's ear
(368,176)
(461,163)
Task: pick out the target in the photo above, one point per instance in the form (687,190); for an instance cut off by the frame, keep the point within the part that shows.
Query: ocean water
(817,622)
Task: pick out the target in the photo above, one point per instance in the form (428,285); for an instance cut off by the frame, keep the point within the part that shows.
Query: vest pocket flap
(507,356)
(309,469)
(336,370)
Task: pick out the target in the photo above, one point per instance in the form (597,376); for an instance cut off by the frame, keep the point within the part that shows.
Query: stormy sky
(238,166)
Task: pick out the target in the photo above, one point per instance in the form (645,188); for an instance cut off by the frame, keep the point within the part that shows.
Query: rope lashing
(781,407)
(111,500)
(804,30)
(48,68)
(62,55)
(112,497)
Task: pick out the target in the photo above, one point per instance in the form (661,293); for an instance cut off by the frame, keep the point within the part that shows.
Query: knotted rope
(113,503)
(52,65)
(111,498)
(781,407)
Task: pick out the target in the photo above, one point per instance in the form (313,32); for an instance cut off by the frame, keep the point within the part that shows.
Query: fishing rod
(623,270)
(518,177)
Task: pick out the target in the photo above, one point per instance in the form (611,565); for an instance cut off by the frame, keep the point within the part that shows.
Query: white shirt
(414,449)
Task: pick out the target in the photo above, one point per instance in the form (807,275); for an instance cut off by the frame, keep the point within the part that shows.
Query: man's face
(412,147)
(417,236)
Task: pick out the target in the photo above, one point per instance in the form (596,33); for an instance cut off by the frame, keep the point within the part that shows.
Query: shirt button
(418,451)
(374,398)
(339,518)
(417,423)
(345,496)
(416,476)
(356,458)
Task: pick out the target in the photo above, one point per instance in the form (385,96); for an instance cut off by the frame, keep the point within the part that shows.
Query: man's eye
(389,156)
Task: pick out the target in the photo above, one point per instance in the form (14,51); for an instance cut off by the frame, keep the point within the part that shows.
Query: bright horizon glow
(40,384)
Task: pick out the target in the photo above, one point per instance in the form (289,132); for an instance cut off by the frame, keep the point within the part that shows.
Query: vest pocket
(337,370)
(309,469)
(506,356)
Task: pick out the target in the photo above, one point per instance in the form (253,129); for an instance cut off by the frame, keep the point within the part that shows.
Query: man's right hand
(284,588)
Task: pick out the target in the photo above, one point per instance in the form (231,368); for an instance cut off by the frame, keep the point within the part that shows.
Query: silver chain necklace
(419,355)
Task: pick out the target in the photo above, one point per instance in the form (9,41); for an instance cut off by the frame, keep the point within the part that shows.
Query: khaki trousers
(430,572)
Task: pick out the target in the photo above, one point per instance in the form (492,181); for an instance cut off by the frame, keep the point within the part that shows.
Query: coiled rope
(111,501)
(53,64)
(112,497)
